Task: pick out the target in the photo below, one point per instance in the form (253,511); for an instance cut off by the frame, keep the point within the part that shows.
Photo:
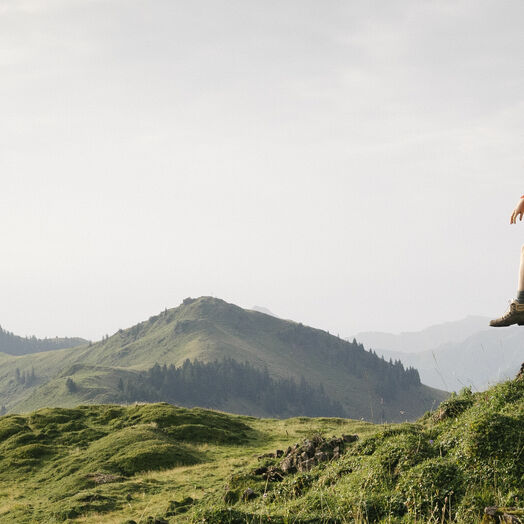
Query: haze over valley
(454,355)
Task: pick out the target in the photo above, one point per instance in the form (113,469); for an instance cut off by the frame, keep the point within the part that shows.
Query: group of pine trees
(213,384)
(25,378)
(390,377)
(15,345)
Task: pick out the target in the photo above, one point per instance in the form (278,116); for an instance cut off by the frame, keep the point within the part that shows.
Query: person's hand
(517,212)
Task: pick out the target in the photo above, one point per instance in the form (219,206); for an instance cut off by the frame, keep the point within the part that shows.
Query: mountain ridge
(208,329)
(424,339)
(457,354)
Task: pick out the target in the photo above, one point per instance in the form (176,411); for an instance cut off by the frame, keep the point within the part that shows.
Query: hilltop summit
(208,330)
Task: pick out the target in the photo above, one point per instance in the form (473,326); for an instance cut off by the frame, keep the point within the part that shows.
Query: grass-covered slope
(55,460)
(159,463)
(447,467)
(210,329)
(110,463)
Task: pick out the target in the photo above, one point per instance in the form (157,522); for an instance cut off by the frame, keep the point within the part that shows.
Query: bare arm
(517,212)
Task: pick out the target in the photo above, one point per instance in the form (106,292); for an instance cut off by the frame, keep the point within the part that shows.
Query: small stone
(248,494)
(287,465)
(306,465)
(274,474)
(309,449)
(320,456)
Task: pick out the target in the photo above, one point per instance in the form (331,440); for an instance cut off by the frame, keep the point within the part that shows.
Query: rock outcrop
(302,457)
(520,374)
(503,515)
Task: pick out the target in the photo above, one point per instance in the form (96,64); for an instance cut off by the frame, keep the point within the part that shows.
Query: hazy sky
(349,164)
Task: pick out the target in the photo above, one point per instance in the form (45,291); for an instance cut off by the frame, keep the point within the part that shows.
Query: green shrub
(130,450)
(402,451)
(374,506)
(51,416)
(32,451)
(493,435)
(19,439)
(429,483)
(472,504)
(11,425)
(505,395)
(369,445)
(150,455)
(83,503)
(455,405)
(201,433)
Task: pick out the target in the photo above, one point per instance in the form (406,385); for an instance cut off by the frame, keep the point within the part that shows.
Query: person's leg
(520,296)
(515,313)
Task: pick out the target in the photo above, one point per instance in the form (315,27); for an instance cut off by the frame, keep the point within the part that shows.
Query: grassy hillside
(210,329)
(158,463)
(107,463)
(447,467)
(15,345)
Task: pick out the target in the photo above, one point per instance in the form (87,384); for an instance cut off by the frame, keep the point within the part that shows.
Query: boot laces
(511,307)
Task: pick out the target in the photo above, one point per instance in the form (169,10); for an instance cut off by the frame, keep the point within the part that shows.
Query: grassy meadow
(157,462)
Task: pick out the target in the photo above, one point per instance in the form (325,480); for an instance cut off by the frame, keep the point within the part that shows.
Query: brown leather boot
(514,315)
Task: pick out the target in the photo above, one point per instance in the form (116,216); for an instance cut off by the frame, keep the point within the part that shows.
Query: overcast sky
(348,164)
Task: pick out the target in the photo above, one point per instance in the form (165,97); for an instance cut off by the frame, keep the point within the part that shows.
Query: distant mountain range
(426,339)
(457,354)
(265,310)
(202,334)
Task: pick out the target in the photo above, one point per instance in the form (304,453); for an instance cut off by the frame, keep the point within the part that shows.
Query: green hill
(209,330)
(157,463)
(15,345)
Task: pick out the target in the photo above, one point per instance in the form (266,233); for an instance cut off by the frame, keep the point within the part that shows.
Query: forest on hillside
(214,384)
(389,377)
(15,345)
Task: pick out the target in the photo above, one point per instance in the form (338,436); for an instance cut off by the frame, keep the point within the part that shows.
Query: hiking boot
(514,315)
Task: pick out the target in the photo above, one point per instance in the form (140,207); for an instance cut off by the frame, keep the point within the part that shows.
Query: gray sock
(520,297)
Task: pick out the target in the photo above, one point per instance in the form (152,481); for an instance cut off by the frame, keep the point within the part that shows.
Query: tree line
(14,345)
(214,384)
(387,377)
(25,378)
